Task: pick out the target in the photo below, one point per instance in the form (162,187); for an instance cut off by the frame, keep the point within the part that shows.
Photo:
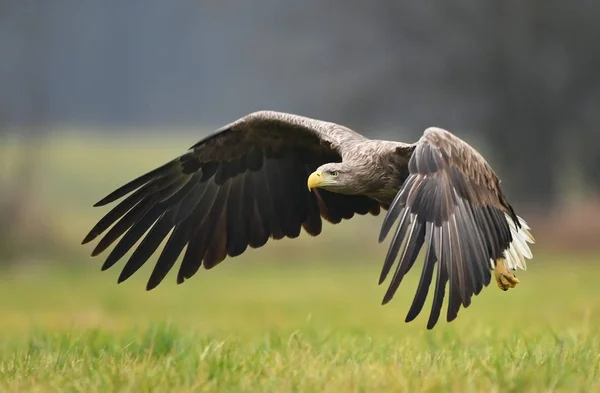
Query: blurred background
(95,93)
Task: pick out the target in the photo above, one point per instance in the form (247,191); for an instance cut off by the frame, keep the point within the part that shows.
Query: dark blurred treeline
(519,76)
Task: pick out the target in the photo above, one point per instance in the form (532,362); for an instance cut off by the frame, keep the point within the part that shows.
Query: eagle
(269,174)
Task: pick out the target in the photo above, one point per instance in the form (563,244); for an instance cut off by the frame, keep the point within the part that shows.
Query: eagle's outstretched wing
(451,203)
(236,188)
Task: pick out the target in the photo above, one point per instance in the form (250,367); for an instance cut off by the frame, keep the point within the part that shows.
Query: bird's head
(330,177)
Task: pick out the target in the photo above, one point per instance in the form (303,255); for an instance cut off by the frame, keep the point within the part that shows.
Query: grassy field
(252,325)
(290,317)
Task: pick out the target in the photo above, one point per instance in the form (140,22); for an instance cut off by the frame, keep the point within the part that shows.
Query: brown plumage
(246,183)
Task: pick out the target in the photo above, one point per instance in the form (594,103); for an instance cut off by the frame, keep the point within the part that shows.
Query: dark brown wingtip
(100,203)
(156,278)
(105,266)
(117,194)
(150,285)
(387,298)
(410,317)
(89,237)
(110,261)
(98,249)
(123,276)
(451,317)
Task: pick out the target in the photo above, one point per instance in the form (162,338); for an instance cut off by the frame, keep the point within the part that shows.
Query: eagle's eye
(333,173)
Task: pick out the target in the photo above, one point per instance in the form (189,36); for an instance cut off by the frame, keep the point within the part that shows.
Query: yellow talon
(504,278)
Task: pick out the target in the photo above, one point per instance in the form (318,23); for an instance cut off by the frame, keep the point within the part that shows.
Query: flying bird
(269,174)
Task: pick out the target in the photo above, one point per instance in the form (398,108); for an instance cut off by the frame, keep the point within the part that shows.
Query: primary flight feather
(269,174)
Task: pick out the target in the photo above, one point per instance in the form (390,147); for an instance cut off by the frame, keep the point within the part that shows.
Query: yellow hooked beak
(315,180)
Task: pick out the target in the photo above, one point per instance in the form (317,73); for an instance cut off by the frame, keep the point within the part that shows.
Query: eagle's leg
(504,278)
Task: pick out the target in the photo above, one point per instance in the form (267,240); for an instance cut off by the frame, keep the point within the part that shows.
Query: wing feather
(426,276)
(168,256)
(151,241)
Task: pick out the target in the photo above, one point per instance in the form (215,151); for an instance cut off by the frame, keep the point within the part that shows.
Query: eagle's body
(247,182)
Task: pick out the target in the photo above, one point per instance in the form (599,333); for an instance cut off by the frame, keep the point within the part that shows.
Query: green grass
(300,315)
(252,325)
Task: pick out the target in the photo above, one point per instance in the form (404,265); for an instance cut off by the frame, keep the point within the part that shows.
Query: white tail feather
(518,250)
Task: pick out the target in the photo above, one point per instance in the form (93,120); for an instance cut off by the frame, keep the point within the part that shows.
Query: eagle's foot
(504,278)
